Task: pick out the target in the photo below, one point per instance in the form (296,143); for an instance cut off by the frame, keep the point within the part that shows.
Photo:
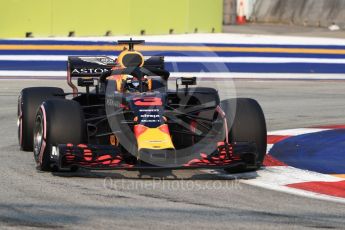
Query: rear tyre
(246,123)
(28,102)
(58,121)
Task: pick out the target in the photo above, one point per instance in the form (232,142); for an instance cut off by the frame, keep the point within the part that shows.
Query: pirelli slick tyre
(246,123)
(28,102)
(58,121)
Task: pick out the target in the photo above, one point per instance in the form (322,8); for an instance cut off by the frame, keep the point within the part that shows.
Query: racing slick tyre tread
(246,122)
(61,122)
(28,102)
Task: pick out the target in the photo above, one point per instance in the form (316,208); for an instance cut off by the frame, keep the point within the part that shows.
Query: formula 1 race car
(127,118)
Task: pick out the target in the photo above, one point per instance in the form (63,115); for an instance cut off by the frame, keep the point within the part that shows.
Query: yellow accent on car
(154,138)
(119,84)
(149,84)
(113,140)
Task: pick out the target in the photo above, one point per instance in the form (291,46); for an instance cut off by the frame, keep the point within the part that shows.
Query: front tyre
(58,121)
(246,123)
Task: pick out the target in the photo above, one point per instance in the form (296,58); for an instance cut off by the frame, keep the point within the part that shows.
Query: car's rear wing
(96,66)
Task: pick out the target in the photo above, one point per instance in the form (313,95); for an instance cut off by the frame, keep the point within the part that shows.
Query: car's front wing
(67,156)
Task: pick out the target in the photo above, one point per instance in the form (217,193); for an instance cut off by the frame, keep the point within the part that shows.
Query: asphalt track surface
(120,200)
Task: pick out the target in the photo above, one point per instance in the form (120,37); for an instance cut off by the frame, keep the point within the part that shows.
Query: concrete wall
(248,7)
(301,12)
(230,12)
(96,17)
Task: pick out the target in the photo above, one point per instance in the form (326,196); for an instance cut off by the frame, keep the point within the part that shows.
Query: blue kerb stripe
(322,152)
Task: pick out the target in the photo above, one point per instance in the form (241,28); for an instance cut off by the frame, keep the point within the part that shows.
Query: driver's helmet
(131,84)
(130,59)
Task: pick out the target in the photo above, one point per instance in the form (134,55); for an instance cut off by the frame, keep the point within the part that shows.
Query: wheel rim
(38,135)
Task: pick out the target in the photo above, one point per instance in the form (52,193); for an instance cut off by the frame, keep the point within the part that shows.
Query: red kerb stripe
(271,161)
(272,139)
(327,188)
